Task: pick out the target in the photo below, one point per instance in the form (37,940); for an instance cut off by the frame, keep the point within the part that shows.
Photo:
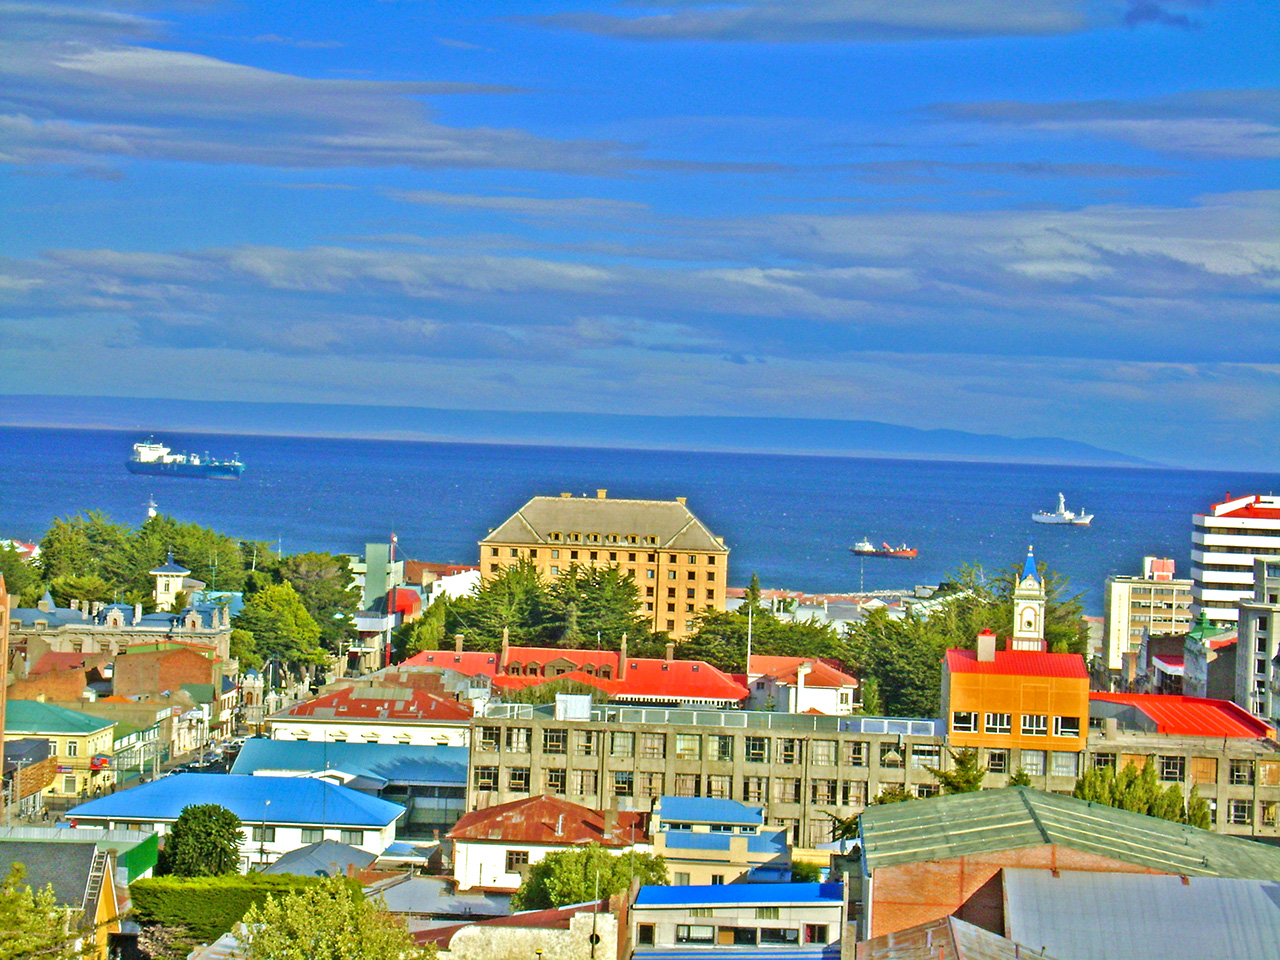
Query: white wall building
(1155,603)
(1257,646)
(1225,541)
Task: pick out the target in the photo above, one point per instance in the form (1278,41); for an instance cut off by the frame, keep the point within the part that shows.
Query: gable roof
(1193,716)
(1012,818)
(402,704)
(32,716)
(785,670)
(328,858)
(302,800)
(64,866)
(948,937)
(393,762)
(1020,663)
(673,523)
(551,821)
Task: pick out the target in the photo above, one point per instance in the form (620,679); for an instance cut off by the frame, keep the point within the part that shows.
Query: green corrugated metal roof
(200,692)
(31,716)
(1010,818)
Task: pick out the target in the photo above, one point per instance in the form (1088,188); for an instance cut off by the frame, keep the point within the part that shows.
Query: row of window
(655,745)
(1029,724)
(706,934)
(261,834)
(532,554)
(1196,770)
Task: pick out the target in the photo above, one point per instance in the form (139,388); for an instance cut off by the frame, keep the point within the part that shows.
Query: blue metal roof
(709,810)
(775,843)
(301,800)
(397,763)
(170,567)
(830,894)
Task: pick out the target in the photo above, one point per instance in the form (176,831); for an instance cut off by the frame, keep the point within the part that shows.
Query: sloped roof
(1021,663)
(708,810)
(403,704)
(1013,818)
(670,521)
(725,894)
(557,918)
(771,843)
(170,568)
(31,716)
(302,800)
(64,866)
(785,670)
(551,821)
(949,937)
(393,762)
(1193,716)
(328,858)
(54,661)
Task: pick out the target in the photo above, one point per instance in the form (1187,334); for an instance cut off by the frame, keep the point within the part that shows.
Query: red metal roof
(354,703)
(1193,716)
(1251,507)
(550,821)
(54,661)
(1023,663)
(784,670)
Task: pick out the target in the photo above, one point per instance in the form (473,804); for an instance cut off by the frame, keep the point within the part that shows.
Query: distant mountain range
(863,438)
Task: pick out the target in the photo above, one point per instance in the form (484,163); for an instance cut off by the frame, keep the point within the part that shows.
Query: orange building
(1022,699)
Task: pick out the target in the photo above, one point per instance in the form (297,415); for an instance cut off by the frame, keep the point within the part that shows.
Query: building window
(711,594)
(354,837)
(693,933)
(998,761)
(823,753)
(815,933)
(486,778)
(312,834)
(585,783)
(786,789)
(489,739)
(1033,762)
(855,753)
(1242,773)
(1104,760)
(890,757)
(964,721)
(622,744)
(623,783)
(518,739)
(1173,769)
(653,746)
(688,746)
(767,913)
(757,749)
(1268,813)
(720,786)
(924,790)
(557,780)
(687,785)
(680,879)
(697,912)
(1066,726)
(822,791)
(589,743)
(518,779)
(721,747)
(517,859)
(555,741)
(1240,812)
(649,784)
(755,789)
(853,793)
(671,625)
(925,755)
(73,749)
(1065,764)
(266,835)
(790,750)
(779,935)
(998,723)
(644,931)
(1035,725)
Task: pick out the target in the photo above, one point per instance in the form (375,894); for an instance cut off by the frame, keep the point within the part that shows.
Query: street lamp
(262,837)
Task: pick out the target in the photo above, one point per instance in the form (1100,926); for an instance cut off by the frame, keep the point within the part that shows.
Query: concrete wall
(480,942)
(350,730)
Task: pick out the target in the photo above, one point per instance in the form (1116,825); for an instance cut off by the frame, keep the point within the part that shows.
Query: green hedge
(207,907)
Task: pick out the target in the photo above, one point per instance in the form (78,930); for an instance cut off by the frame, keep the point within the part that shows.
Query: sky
(1021,217)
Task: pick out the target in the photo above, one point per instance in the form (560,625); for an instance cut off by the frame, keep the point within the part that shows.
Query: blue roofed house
(429,780)
(796,920)
(705,840)
(279,814)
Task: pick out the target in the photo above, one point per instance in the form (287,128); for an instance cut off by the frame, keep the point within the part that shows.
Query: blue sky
(1023,217)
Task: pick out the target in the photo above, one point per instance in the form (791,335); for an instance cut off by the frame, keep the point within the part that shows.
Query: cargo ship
(1063,515)
(156,460)
(865,548)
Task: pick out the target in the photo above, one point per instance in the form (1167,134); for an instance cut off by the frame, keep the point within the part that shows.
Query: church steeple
(1028,609)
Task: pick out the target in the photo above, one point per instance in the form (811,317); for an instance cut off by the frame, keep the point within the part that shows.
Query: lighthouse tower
(1028,609)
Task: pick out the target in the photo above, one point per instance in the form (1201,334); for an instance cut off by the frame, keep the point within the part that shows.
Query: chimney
(137,614)
(560,825)
(671,652)
(457,643)
(44,604)
(986,647)
(610,822)
(75,604)
(506,650)
(802,671)
(566,496)
(680,500)
(601,494)
(622,659)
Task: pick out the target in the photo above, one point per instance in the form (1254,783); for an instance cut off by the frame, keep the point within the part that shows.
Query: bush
(207,907)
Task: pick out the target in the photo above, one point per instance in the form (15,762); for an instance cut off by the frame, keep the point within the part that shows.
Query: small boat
(865,548)
(157,460)
(1063,515)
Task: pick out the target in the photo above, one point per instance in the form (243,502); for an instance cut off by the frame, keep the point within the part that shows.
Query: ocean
(791,519)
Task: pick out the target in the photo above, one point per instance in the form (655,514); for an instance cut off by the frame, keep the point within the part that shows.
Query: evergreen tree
(425,633)
(32,924)
(967,774)
(1139,792)
(1019,778)
(282,628)
(893,793)
(327,588)
(583,874)
(514,599)
(19,576)
(584,603)
(204,842)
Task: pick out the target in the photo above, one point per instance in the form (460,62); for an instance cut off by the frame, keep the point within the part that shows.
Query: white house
(403,715)
(800,685)
(762,915)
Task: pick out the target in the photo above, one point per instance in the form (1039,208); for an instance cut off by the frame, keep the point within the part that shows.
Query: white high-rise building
(1224,544)
(1154,604)
(1259,643)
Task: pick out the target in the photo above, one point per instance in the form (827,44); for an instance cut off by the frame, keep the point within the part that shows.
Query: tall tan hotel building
(679,566)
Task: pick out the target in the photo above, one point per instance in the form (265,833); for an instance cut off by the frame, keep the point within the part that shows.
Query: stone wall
(485,942)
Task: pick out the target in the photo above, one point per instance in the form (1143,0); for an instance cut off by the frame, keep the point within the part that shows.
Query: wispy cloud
(538,207)
(277,40)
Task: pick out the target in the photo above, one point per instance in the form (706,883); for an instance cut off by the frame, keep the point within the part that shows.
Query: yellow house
(82,745)
(679,566)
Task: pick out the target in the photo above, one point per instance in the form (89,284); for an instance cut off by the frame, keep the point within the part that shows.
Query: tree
(32,924)
(967,774)
(892,793)
(1019,778)
(204,842)
(19,576)
(514,600)
(904,657)
(872,705)
(282,628)
(425,633)
(585,873)
(244,650)
(804,872)
(326,922)
(1139,792)
(584,603)
(720,638)
(326,587)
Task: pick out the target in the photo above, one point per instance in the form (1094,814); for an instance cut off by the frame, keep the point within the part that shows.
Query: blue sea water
(789,519)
